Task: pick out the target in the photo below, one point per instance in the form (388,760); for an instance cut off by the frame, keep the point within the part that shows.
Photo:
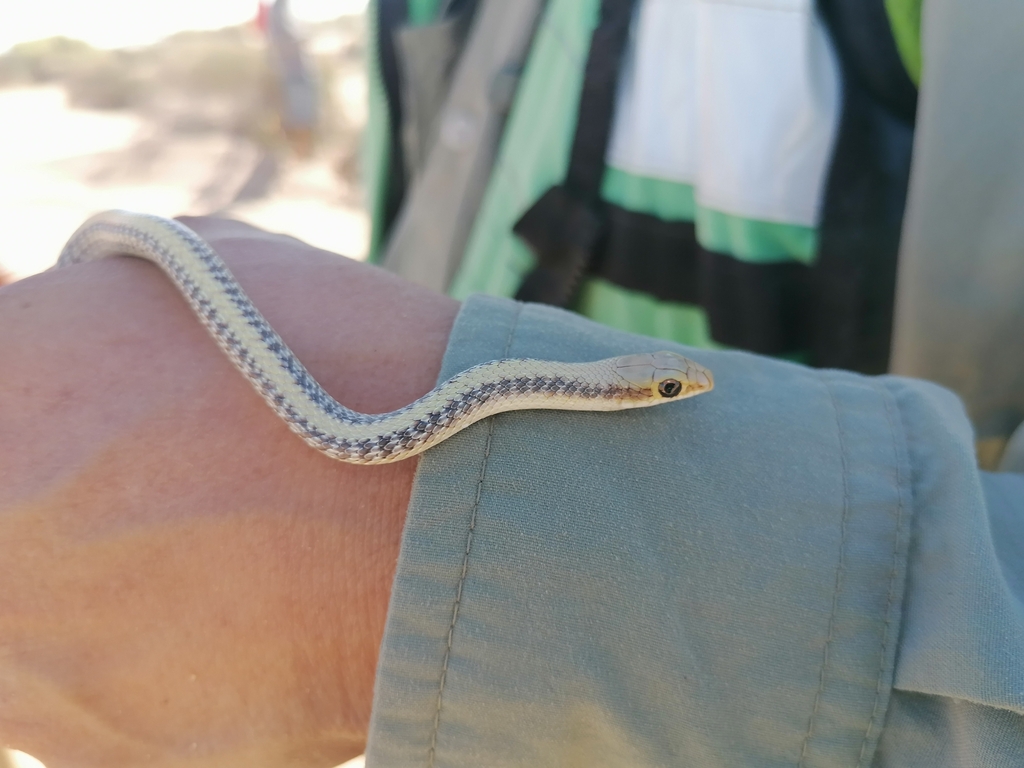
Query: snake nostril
(669,388)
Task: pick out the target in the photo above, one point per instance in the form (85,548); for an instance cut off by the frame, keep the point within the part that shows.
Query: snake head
(664,376)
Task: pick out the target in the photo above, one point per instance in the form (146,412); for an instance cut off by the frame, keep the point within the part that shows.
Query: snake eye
(669,388)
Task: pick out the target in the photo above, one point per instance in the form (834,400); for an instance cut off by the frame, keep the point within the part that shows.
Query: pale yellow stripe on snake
(633,381)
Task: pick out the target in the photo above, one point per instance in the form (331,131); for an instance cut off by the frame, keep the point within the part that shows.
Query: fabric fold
(719,580)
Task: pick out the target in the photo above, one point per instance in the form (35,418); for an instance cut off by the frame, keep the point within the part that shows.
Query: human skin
(185,582)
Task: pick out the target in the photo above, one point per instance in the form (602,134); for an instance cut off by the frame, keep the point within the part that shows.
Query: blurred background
(177,108)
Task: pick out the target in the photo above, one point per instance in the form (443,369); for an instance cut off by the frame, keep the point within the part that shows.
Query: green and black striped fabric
(755,175)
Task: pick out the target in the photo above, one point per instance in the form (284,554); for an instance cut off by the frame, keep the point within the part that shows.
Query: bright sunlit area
(142,23)
(178,108)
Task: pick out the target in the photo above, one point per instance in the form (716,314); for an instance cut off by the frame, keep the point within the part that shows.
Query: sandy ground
(143,23)
(60,165)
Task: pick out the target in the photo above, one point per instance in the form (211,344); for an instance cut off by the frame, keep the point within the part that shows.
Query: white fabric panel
(654,132)
(768,106)
(740,99)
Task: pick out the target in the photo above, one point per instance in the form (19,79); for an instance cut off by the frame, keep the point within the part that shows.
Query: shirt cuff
(717,580)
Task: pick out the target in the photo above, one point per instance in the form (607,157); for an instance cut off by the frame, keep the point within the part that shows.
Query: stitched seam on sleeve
(840,573)
(465,558)
(876,712)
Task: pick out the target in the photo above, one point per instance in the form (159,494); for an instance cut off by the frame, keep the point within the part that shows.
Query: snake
(257,351)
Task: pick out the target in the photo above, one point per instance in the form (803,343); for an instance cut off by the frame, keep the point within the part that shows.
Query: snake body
(257,351)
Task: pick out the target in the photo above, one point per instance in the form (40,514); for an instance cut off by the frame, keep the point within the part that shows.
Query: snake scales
(633,381)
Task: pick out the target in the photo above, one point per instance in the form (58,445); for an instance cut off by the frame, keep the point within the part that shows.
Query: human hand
(185,581)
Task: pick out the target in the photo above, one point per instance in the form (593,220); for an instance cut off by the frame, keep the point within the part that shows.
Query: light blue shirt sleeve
(800,568)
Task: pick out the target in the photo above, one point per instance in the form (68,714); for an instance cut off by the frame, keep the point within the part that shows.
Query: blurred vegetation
(43,61)
(197,81)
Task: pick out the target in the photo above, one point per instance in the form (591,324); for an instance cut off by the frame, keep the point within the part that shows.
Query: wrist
(176,557)
(375,343)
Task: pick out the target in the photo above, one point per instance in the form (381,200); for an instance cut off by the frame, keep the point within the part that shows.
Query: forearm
(148,494)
